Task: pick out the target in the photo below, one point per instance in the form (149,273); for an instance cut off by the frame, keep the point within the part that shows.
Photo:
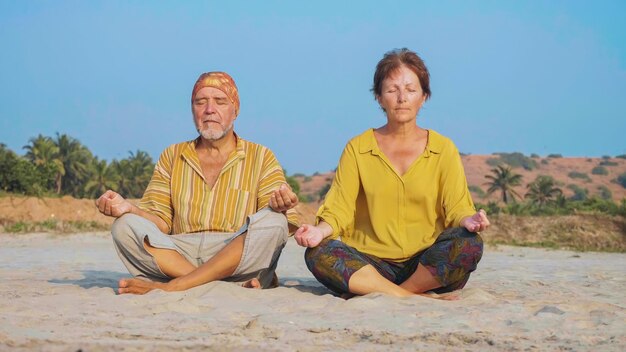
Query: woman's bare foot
(444,297)
(138,286)
(253,283)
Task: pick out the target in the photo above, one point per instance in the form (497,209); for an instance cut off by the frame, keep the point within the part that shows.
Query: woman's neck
(400,131)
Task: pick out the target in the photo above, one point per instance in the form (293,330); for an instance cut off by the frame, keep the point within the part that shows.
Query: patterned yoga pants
(450,260)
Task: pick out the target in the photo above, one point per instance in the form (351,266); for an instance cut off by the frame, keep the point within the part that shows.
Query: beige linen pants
(266,230)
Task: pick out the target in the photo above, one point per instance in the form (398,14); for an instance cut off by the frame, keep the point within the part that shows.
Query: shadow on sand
(110,279)
(305,285)
(95,278)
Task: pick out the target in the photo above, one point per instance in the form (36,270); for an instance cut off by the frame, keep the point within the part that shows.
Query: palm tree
(42,150)
(542,190)
(44,153)
(135,173)
(503,180)
(123,182)
(103,177)
(76,159)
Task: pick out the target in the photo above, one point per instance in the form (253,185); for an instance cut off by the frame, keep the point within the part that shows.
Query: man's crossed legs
(178,262)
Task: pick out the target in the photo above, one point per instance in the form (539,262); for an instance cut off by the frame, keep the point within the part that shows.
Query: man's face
(213,113)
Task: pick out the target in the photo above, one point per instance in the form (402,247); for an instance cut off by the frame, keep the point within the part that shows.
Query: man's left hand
(283,198)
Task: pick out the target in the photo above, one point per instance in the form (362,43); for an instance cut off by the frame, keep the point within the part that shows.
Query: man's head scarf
(220,80)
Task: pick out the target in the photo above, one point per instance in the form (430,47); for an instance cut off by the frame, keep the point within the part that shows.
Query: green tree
(542,190)
(322,192)
(503,180)
(8,160)
(103,177)
(42,150)
(134,174)
(123,180)
(18,175)
(44,154)
(76,160)
(293,183)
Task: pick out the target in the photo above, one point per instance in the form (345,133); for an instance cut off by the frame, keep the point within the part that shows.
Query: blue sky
(529,76)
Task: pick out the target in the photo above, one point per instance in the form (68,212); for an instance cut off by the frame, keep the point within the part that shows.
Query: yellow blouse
(379,212)
(178,194)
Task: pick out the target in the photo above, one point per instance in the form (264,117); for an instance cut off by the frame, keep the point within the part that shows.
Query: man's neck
(218,148)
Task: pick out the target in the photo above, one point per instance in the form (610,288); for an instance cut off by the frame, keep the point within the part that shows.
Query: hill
(590,174)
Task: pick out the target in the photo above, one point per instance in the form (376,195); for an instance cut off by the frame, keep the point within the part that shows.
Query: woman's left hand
(477,222)
(283,198)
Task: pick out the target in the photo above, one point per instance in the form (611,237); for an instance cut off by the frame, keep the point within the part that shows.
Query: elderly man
(216,208)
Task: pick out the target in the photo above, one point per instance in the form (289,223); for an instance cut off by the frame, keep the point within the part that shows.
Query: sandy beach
(58,294)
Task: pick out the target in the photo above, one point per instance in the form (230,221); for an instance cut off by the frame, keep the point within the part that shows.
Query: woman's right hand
(309,235)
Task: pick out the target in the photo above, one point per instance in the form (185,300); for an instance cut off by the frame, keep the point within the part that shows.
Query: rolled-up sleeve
(340,203)
(457,200)
(272,177)
(157,197)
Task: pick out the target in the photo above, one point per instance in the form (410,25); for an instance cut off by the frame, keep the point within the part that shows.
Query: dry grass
(583,232)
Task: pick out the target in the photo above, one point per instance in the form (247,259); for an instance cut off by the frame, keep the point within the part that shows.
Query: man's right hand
(112,204)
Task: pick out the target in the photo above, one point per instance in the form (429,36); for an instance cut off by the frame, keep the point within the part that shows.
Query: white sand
(57,293)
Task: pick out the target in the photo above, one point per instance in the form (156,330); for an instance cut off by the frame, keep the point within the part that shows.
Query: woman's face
(401,96)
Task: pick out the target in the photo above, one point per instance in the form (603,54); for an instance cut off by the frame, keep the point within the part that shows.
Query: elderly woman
(398,218)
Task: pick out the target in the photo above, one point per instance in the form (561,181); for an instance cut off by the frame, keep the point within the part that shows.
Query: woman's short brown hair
(392,61)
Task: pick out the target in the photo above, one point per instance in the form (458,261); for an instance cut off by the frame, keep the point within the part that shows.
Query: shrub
(17,227)
(515,160)
(323,191)
(600,170)
(581,175)
(307,179)
(555,156)
(621,156)
(476,189)
(604,192)
(293,183)
(491,208)
(545,161)
(579,192)
(621,179)
(533,155)
(494,162)
(306,198)
(49,225)
(516,208)
(608,163)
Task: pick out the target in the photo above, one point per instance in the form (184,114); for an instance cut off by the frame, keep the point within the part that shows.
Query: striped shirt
(178,194)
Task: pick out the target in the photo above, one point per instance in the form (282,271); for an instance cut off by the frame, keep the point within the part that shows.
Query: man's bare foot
(138,286)
(253,283)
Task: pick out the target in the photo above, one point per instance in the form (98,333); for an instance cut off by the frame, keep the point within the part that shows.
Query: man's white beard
(214,135)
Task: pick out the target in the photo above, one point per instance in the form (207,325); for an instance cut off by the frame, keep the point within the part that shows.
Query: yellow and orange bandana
(220,80)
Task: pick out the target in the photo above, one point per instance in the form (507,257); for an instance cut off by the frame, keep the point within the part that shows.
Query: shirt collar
(434,145)
(190,155)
